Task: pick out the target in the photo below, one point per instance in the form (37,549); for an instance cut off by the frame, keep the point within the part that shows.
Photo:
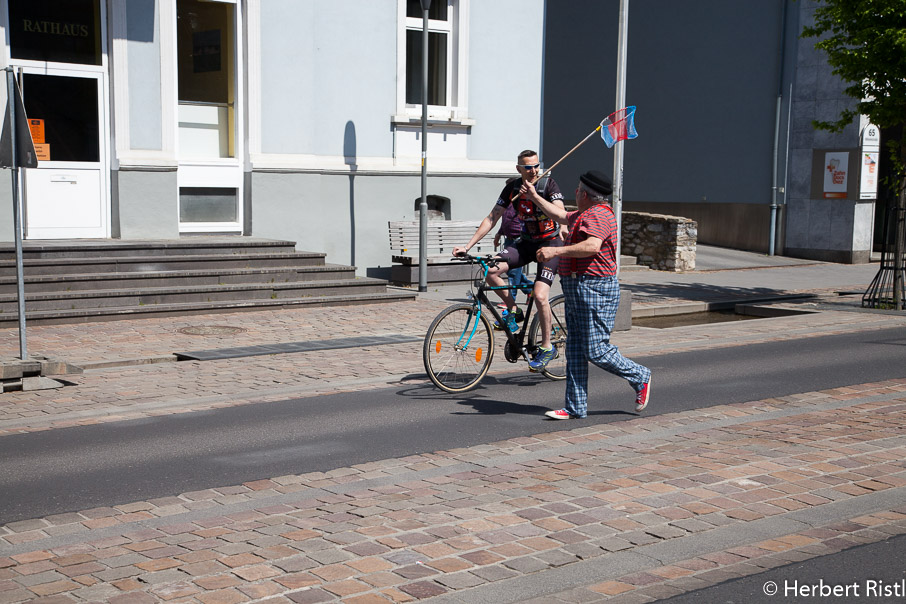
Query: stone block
(623,321)
(39,382)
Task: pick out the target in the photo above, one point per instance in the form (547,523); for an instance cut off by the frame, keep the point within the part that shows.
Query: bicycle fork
(468,334)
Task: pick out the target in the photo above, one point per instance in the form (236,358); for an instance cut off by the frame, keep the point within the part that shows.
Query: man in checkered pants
(588,268)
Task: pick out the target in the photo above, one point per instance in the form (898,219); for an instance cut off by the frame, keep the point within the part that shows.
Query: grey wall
(346,216)
(328,88)
(143,52)
(325,64)
(744,226)
(824,229)
(146,204)
(704,75)
(505,83)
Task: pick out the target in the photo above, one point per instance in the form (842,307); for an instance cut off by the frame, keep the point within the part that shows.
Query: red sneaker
(641,399)
(560,414)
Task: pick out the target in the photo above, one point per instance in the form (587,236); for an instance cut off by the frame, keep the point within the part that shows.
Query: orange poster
(37,131)
(42,151)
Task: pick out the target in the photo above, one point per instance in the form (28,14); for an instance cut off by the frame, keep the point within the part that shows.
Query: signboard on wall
(868,188)
(835,173)
(871,146)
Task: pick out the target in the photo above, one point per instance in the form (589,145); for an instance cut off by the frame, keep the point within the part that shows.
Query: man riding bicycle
(538,230)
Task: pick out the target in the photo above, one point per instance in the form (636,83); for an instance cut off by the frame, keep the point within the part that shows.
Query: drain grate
(288,347)
(210,330)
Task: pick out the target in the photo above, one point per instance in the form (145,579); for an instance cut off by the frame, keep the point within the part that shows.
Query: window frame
(455,108)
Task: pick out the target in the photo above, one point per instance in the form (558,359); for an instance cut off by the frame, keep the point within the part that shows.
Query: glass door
(210,172)
(57,50)
(65,195)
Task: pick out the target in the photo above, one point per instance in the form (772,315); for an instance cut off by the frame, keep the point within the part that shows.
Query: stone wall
(665,243)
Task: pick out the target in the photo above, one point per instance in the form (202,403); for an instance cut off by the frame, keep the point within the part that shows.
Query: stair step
(135,279)
(628,260)
(192,293)
(57,266)
(93,280)
(203,245)
(56,317)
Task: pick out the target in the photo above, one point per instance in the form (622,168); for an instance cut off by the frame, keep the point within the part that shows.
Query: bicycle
(459,344)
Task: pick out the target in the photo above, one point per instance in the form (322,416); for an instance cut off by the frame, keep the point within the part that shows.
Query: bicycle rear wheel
(556,369)
(458,348)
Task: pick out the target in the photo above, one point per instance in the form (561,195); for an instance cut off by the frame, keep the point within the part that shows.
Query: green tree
(865,42)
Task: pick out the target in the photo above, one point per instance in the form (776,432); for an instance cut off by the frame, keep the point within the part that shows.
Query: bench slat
(442,237)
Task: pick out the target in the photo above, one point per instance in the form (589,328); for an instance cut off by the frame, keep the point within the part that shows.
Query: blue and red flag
(619,126)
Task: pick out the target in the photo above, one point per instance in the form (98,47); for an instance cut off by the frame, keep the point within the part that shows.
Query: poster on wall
(868,188)
(836,165)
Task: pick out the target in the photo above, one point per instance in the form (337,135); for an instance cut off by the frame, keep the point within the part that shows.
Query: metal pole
(621,102)
(774,185)
(17,219)
(899,270)
(423,206)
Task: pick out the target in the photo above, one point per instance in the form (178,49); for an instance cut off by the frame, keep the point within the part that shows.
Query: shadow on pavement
(700,292)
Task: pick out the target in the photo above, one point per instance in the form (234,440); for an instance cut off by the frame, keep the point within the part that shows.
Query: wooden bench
(442,237)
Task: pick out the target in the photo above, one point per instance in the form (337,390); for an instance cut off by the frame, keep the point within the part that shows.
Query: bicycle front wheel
(458,348)
(556,369)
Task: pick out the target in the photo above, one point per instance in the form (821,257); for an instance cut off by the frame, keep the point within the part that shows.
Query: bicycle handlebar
(489,260)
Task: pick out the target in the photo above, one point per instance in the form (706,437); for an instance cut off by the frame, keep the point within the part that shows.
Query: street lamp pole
(620,103)
(423,206)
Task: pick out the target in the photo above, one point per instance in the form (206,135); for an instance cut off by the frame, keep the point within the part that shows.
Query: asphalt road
(873,573)
(77,468)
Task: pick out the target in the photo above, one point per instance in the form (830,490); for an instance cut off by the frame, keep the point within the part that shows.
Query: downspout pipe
(774,185)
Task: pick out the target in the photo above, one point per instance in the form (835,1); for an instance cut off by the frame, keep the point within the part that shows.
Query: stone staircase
(631,264)
(93,280)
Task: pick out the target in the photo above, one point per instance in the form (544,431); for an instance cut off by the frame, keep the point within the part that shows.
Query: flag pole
(621,102)
(568,153)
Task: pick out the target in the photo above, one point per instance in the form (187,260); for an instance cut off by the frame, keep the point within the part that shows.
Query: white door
(66,195)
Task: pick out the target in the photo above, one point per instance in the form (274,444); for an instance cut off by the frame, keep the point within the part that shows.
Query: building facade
(726,92)
(301,119)
(291,119)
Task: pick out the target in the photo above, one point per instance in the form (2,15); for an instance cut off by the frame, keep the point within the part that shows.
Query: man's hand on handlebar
(460,251)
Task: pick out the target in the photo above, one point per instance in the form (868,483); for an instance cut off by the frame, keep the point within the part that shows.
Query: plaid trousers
(591,308)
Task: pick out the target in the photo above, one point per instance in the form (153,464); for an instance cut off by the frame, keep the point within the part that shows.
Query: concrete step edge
(136,275)
(161,259)
(234,287)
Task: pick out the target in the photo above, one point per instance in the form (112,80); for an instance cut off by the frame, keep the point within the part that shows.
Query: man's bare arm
(483,229)
(583,249)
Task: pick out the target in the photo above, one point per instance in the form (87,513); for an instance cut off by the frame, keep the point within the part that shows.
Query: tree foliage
(865,42)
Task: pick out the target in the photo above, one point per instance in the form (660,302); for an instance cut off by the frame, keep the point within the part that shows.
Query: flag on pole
(619,126)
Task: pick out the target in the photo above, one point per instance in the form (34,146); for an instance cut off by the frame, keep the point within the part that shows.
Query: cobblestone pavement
(629,512)
(635,511)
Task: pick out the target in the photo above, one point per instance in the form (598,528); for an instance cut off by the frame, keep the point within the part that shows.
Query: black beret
(597,181)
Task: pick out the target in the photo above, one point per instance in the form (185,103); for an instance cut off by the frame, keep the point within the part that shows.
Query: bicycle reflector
(478,355)
(437,347)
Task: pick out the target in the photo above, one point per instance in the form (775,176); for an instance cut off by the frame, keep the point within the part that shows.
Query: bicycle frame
(459,346)
(481,299)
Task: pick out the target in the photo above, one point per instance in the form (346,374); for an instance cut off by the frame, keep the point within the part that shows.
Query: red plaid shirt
(597,221)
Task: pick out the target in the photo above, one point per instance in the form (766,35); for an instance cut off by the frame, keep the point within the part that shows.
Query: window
(446,58)
(55,30)
(206,78)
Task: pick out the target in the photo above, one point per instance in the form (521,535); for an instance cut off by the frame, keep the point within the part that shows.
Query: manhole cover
(210,330)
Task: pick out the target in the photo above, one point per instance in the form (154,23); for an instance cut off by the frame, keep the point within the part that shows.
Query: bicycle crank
(511,352)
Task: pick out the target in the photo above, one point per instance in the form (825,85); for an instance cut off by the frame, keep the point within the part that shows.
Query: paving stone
(526,564)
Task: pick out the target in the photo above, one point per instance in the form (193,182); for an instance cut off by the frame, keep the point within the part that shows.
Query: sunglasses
(529,166)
